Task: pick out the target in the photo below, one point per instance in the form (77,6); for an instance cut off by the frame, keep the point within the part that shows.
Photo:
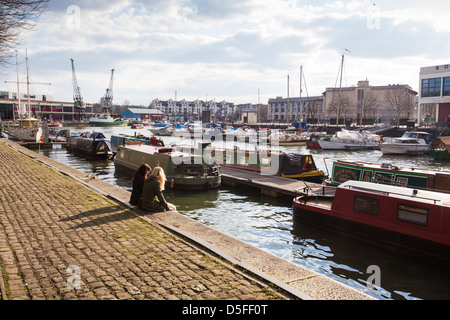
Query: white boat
(289,138)
(106,120)
(28,129)
(409,143)
(242,134)
(350,140)
(161,131)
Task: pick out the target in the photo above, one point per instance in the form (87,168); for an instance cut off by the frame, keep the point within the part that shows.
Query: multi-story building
(41,106)
(293,109)
(434,94)
(192,110)
(365,103)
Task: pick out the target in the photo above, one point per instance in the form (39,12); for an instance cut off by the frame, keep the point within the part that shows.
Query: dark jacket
(138,187)
(152,197)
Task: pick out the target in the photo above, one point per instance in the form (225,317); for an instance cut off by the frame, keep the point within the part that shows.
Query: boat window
(102,146)
(382,177)
(402,181)
(294,160)
(367,176)
(415,215)
(365,205)
(165,150)
(265,162)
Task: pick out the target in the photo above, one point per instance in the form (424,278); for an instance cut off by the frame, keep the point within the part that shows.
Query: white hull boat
(350,140)
(409,143)
(28,130)
(404,146)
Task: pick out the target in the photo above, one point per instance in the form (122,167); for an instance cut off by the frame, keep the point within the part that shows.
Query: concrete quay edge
(295,280)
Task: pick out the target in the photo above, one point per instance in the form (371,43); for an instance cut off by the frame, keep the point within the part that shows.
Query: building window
(431,87)
(446,88)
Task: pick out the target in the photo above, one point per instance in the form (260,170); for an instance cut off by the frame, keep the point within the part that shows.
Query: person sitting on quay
(138,184)
(153,198)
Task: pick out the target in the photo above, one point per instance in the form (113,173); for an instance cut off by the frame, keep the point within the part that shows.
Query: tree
(398,100)
(369,105)
(16,15)
(340,105)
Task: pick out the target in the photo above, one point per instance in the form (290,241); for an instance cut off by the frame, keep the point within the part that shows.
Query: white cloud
(229,49)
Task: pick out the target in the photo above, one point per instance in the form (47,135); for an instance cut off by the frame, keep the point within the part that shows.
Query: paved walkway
(60,239)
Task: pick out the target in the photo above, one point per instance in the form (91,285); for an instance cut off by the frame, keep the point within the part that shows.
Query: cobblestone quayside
(50,222)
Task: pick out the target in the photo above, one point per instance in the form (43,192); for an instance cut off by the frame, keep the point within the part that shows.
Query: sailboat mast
(288,111)
(259,111)
(18,89)
(300,103)
(339,95)
(28,87)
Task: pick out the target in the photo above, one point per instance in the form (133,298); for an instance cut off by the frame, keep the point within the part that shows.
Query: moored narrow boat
(412,221)
(439,149)
(123,139)
(91,145)
(386,173)
(269,162)
(183,170)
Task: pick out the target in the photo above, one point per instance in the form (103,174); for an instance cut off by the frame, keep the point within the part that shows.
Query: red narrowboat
(413,221)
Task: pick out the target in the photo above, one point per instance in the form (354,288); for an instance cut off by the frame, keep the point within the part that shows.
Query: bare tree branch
(14,17)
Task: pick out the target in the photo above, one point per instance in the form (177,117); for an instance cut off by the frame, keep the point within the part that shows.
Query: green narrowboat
(440,148)
(183,170)
(388,174)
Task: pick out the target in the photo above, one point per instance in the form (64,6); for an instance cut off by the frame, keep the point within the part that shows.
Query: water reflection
(348,257)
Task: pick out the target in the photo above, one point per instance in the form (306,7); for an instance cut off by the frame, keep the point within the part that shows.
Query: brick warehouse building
(41,107)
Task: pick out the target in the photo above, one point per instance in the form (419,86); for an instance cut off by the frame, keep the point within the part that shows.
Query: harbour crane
(79,105)
(108,97)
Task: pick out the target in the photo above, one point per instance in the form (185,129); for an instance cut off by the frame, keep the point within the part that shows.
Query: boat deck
(324,203)
(269,184)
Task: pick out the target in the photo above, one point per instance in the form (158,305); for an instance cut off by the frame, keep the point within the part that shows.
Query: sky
(240,51)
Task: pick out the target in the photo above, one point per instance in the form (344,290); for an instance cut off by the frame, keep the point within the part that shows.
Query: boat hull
(90,148)
(94,123)
(414,221)
(26,134)
(440,154)
(292,143)
(386,239)
(331,145)
(404,149)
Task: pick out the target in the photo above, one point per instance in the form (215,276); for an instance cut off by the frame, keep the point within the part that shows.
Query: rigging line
(306,87)
(337,76)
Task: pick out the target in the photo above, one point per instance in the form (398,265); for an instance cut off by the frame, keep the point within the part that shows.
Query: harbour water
(267,223)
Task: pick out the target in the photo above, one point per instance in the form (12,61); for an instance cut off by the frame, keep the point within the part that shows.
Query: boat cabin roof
(171,151)
(388,166)
(400,192)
